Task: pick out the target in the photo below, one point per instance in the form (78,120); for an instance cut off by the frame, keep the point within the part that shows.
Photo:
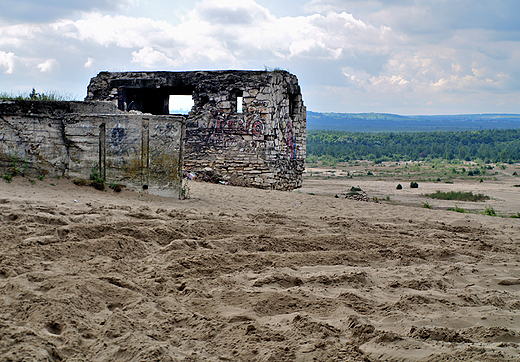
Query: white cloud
(7,61)
(48,66)
(149,58)
(229,12)
(396,50)
(89,62)
(200,39)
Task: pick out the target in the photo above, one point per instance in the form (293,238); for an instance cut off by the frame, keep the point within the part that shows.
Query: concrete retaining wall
(75,138)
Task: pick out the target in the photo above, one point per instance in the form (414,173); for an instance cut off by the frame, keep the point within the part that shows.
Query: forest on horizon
(339,137)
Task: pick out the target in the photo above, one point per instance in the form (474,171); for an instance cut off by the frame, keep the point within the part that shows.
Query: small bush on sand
(490,211)
(117,187)
(457,209)
(426,205)
(399,187)
(414,185)
(81,182)
(457,195)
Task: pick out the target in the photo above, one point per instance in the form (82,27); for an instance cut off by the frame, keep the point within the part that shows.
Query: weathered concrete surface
(262,146)
(73,138)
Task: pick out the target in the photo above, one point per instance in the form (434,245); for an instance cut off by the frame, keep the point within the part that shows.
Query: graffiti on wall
(227,129)
(289,140)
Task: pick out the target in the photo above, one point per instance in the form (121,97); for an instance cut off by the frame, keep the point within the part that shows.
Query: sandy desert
(237,274)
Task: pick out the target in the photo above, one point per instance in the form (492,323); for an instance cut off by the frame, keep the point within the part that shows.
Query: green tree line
(487,145)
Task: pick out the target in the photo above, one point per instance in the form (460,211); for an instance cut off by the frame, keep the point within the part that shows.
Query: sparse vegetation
(457,209)
(489,211)
(457,195)
(426,205)
(17,167)
(50,95)
(96,181)
(414,185)
(399,187)
(116,187)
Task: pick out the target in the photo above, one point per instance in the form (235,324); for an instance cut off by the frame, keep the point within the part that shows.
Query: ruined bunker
(248,126)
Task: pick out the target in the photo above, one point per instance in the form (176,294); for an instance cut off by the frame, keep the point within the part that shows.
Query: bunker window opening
(239,101)
(292,104)
(180,104)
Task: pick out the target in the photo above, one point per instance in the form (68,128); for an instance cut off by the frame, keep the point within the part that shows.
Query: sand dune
(236,274)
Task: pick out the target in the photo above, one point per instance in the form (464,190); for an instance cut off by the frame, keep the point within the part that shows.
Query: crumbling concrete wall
(262,146)
(73,138)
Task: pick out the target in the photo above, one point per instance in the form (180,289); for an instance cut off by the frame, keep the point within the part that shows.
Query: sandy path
(250,275)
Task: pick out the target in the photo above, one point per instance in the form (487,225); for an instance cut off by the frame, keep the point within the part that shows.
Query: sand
(236,274)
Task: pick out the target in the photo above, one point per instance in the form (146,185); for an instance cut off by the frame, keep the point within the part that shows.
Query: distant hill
(383,122)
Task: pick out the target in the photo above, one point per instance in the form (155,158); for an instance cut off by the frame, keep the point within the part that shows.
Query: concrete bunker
(248,126)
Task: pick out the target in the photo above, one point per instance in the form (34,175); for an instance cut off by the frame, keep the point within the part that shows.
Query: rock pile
(360,196)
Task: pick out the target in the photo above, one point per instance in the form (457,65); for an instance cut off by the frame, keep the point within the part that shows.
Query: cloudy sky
(394,56)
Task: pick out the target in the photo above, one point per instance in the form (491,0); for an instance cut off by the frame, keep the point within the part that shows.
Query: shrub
(515,174)
(457,209)
(98,184)
(426,205)
(96,181)
(399,187)
(489,211)
(414,185)
(117,187)
(457,195)
(81,182)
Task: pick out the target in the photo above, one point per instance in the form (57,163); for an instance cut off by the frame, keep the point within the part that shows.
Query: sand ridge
(250,275)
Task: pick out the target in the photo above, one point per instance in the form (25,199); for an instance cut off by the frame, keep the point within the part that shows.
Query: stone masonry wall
(262,146)
(71,138)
